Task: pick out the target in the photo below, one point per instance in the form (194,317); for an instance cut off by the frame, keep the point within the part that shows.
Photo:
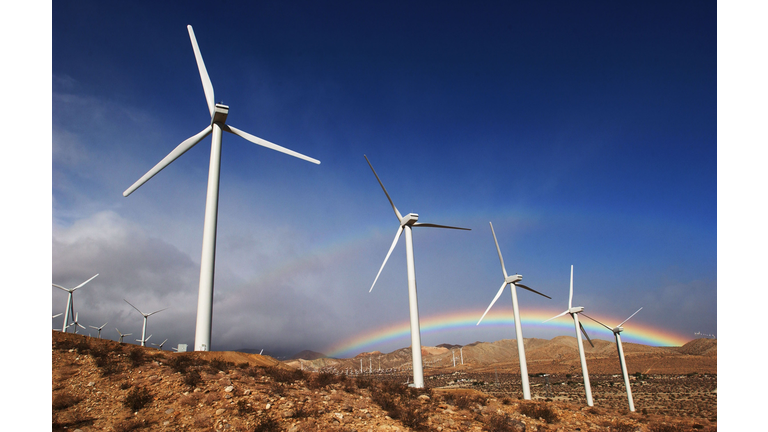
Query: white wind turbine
(98,328)
(144,329)
(406,222)
(76,323)
(160,345)
(68,310)
(574,311)
(616,330)
(143,341)
(122,335)
(513,282)
(218,114)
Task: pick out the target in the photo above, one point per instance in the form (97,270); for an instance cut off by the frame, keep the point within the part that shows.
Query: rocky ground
(106,386)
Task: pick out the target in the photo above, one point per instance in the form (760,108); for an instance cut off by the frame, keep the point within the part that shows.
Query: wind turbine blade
(133,306)
(397,213)
(503,269)
(267,144)
(156,311)
(94,276)
(556,316)
(397,236)
(207,86)
(570,295)
(439,226)
(57,315)
(172,156)
(147,338)
(532,290)
(622,323)
(79,325)
(498,294)
(586,335)
(59,286)
(93,327)
(597,321)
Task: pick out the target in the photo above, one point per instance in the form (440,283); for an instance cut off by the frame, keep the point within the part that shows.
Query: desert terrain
(107,386)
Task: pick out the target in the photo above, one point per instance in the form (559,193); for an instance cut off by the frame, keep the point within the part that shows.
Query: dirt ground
(106,386)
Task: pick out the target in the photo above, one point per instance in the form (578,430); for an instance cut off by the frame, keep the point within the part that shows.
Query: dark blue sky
(587,133)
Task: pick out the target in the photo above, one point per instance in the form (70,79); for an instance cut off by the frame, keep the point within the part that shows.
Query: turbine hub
(220,114)
(409,219)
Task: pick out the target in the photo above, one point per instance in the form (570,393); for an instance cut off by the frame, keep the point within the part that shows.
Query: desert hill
(557,355)
(307,355)
(100,384)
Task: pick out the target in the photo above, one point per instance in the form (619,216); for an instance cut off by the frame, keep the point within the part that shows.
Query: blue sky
(586,133)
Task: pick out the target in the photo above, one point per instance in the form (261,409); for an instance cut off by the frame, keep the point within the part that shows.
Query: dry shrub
(267,424)
(212,397)
(284,375)
(320,380)
(619,426)
(364,383)
(191,399)
(663,427)
(137,398)
(411,415)
(137,356)
(217,365)
(64,400)
(129,425)
(496,422)
(538,411)
(201,421)
(192,378)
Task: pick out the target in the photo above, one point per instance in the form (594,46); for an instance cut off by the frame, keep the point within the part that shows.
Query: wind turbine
(616,332)
(76,324)
(406,222)
(122,335)
(574,311)
(142,340)
(68,310)
(218,124)
(99,329)
(160,345)
(144,329)
(513,282)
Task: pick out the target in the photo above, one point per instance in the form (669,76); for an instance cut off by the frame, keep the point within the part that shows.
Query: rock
(229,389)
(220,411)
(268,406)
(289,413)
(169,410)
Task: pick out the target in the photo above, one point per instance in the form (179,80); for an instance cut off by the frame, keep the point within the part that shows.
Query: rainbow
(638,332)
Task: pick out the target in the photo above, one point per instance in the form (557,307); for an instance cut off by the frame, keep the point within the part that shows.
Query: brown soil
(94,382)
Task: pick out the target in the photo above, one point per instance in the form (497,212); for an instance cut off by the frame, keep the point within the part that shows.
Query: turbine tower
(68,310)
(99,328)
(144,329)
(406,222)
(574,311)
(513,282)
(218,124)
(122,335)
(616,330)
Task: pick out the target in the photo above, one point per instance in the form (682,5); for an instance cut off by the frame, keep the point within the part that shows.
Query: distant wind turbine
(76,324)
(218,124)
(616,332)
(68,310)
(513,282)
(574,312)
(122,335)
(406,222)
(144,329)
(160,345)
(143,341)
(98,328)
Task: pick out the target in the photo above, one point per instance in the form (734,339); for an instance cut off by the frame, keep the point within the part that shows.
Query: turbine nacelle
(220,112)
(575,310)
(409,219)
(617,330)
(514,278)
